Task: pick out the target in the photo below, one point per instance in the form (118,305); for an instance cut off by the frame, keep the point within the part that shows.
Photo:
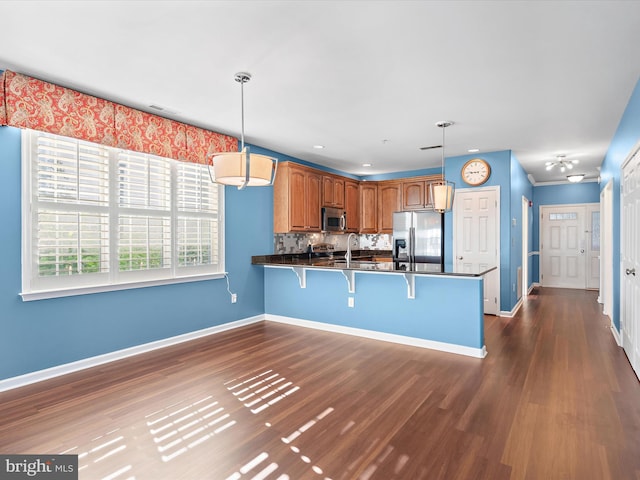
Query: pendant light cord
(242,80)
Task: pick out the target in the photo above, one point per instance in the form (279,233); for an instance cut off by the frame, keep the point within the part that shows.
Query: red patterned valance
(202,143)
(27,102)
(3,110)
(43,106)
(144,132)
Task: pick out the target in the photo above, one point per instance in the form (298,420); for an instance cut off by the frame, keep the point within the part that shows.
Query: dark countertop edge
(303,260)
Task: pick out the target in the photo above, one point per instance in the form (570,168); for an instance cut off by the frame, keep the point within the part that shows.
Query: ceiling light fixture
(442,191)
(560,162)
(244,169)
(318,147)
(473,150)
(575,178)
(366,164)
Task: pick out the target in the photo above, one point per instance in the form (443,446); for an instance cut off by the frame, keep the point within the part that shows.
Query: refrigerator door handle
(412,251)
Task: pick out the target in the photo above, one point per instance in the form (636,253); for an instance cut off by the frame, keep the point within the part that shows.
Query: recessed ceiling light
(473,150)
(318,147)
(366,164)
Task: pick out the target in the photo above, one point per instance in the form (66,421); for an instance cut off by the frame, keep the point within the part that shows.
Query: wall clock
(475,172)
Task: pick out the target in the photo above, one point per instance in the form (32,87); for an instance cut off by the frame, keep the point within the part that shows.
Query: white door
(476,236)
(566,254)
(630,262)
(592,271)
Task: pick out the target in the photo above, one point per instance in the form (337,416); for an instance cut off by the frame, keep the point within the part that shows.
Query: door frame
(621,293)
(540,234)
(606,250)
(525,247)
(496,272)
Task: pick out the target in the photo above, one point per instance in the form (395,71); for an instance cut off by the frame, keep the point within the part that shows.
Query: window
(563,216)
(100,218)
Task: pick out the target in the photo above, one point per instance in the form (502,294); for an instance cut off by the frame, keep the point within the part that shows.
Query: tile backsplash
(298,242)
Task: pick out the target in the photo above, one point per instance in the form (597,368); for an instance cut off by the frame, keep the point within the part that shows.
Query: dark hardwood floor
(554,399)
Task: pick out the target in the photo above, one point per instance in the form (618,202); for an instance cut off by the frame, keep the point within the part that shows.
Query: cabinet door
(352,205)
(389,201)
(312,200)
(327,191)
(297,201)
(368,208)
(413,195)
(338,192)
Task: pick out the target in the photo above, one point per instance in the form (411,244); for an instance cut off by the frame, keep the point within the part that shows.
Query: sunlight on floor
(100,448)
(257,390)
(178,428)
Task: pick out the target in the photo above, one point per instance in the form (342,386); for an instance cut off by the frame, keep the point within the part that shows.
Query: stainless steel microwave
(333,219)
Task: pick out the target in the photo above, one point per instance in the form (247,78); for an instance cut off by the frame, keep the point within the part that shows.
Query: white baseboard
(533,285)
(52,372)
(616,334)
(385,337)
(514,310)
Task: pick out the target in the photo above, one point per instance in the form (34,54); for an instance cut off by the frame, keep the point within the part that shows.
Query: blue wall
(520,187)
(626,137)
(381,304)
(500,163)
(45,333)
(569,193)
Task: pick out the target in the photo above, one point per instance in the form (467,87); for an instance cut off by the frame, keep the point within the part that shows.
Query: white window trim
(178,274)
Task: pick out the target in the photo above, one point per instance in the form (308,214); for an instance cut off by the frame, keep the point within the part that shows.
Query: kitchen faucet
(347,255)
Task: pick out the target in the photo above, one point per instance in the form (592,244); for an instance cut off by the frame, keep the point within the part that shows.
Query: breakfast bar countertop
(366,261)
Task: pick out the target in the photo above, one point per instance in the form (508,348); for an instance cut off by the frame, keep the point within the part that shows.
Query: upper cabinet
(333,192)
(352,204)
(299,193)
(368,207)
(296,199)
(389,201)
(416,192)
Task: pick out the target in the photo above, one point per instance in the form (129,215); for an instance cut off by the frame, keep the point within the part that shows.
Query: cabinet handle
(631,271)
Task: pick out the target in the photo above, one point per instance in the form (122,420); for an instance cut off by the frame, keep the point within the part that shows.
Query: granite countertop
(363,260)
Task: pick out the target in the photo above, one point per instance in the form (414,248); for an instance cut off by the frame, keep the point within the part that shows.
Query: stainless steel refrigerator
(418,237)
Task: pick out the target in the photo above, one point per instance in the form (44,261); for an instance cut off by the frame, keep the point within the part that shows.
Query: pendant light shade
(243,168)
(443,191)
(443,196)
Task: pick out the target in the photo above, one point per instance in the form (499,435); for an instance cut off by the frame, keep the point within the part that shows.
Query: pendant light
(243,168)
(442,191)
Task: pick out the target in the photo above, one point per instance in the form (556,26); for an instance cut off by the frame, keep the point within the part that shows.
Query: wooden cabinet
(416,192)
(296,199)
(368,207)
(389,201)
(333,191)
(299,193)
(352,205)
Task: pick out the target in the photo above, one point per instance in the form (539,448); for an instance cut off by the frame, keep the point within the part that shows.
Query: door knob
(631,271)
(459,258)
(582,250)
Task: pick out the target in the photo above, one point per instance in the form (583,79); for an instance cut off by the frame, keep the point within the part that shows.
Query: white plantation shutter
(144,181)
(100,216)
(144,242)
(198,235)
(71,171)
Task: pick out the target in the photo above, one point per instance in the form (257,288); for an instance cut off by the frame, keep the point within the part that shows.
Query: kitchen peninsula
(417,304)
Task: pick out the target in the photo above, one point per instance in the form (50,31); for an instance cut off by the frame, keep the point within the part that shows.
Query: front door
(630,262)
(476,234)
(569,246)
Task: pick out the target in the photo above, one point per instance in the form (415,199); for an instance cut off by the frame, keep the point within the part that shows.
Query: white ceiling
(541,78)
